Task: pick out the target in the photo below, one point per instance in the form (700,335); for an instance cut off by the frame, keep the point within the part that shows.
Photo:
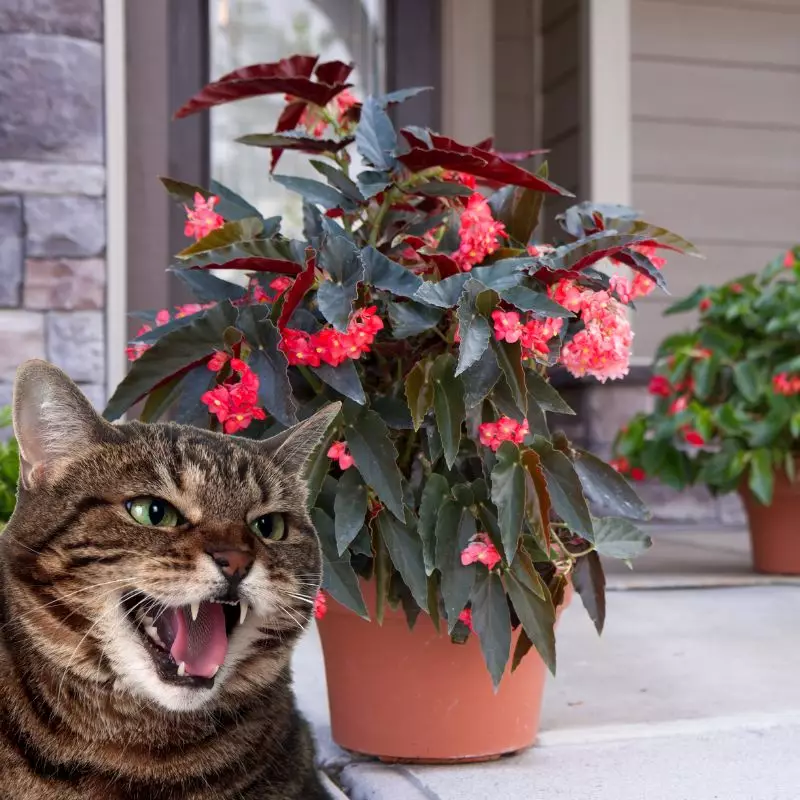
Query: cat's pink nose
(234,564)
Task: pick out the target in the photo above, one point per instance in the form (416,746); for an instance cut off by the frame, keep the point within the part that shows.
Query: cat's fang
(216,670)
(151,631)
(181,669)
(242,611)
(195,610)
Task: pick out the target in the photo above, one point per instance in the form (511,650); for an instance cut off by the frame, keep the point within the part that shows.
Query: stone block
(10,250)
(692,505)
(51,98)
(30,177)
(76,343)
(82,19)
(65,226)
(608,408)
(70,284)
(731,511)
(21,338)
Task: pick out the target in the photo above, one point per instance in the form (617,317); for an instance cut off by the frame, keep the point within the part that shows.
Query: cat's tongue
(201,644)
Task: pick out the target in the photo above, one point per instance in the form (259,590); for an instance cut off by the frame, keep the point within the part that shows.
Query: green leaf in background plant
(340,258)
(762,475)
(338,577)
(492,623)
(538,303)
(538,618)
(389,275)
(455,527)
(705,373)
(409,319)
(720,342)
(371,182)
(474,331)
(343,379)
(436,491)
(618,538)
(376,139)
(508,494)
(170,355)
(748,380)
(443,189)
(565,489)
(481,378)
(544,394)
(315,192)
(350,508)
(405,550)
(606,487)
(419,392)
(509,357)
(590,583)
(688,303)
(268,361)
(338,179)
(448,404)
(376,457)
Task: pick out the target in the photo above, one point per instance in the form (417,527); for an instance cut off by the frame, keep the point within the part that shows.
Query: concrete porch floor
(688,695)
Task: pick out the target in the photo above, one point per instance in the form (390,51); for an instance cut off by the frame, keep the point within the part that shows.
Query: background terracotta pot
(775,529)
(407,695)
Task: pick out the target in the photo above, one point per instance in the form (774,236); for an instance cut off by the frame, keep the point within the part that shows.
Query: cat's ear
(52,419)
(292,448)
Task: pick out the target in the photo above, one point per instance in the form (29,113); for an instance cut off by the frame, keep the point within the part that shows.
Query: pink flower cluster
(135,350)
(234,402)
(786,385)
(466,617)
(279,285)
(315,119)
(641,285)
(479,233)
(338,452)
(493,434)
(202,219)
(320,605)
(533,334)
(329,345)
(481,551)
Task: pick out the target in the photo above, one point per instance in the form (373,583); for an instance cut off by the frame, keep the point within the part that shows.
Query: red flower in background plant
(692,437)
(788,259)
(620,464)
(705,304)
(466,617)
(320,605)
(481,551)
(638,474)
(785,385)
(202,219)
(338,452)
(660,386)
(679,404)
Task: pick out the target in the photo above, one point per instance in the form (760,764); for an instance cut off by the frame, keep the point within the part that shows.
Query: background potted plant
(441,497)
(727,406)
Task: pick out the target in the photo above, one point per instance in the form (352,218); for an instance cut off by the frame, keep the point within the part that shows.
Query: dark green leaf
(343,379)
(509,357)
(208,288)
(405,550)
(171,354)
(519,209)
(565,489)
(762,475)
(539,303)
(606,487)
(371,182)
(401,95)
(188,410)
(538,618)
(492,623)
(688,303)
(443,189)
(448,404)
(481,378)
(445,294)
(338,577)
(618,538)
(268,361)
(411,318)
(394,412)
(508,494)
(419,392)
(747,379)
(376,139)
(350,508)
(705,373)
(386,274)
(544,394)
(455,527)
(474,331)
(589,581)
(433,495)
(315,192)
(340,258)
(338,179)
(233,206)
(376,457)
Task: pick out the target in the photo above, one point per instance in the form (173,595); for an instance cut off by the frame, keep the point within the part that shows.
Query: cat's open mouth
(188,643)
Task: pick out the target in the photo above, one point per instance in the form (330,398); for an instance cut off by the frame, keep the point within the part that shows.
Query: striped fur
(82,711)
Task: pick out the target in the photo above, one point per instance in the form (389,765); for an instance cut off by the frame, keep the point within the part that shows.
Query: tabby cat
(153,582)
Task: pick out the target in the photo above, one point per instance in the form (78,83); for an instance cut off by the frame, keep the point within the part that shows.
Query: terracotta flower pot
(406,695)
(775,529)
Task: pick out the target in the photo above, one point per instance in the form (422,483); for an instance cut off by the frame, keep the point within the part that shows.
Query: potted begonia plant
(418,297)
(727,406)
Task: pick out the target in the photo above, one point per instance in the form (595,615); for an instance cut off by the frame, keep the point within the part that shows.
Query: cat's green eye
(153,511)
(270,526)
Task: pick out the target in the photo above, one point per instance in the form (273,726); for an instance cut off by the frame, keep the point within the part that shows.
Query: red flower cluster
(493,434)
(481,551)
(783,384)
(202,219)
(279,285)
(641,285)
(789,259)
(320,605)
(329,345)
(338,452)
(466,617)
(692,437)
(134,351)
(622,465)
(234,403)
(534,334)
(479,233)
(660,386)
(315,119)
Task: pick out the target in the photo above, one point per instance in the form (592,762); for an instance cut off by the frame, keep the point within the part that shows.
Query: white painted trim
(468,69)
(114,66)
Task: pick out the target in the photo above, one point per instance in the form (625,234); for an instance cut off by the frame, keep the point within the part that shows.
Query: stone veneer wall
(52,187)
(601,410)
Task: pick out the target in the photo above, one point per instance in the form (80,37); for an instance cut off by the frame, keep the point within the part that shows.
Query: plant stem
(312,381)
(376,225)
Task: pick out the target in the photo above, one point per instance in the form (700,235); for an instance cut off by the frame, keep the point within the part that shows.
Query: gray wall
(716,135)
(52,186)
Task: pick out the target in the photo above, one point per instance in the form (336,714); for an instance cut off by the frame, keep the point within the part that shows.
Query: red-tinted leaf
(476,161)
(298,289)
(295,140)
(333,72)
(256,264)
(444,263)
(521,155)
(288,120)
(294,65)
